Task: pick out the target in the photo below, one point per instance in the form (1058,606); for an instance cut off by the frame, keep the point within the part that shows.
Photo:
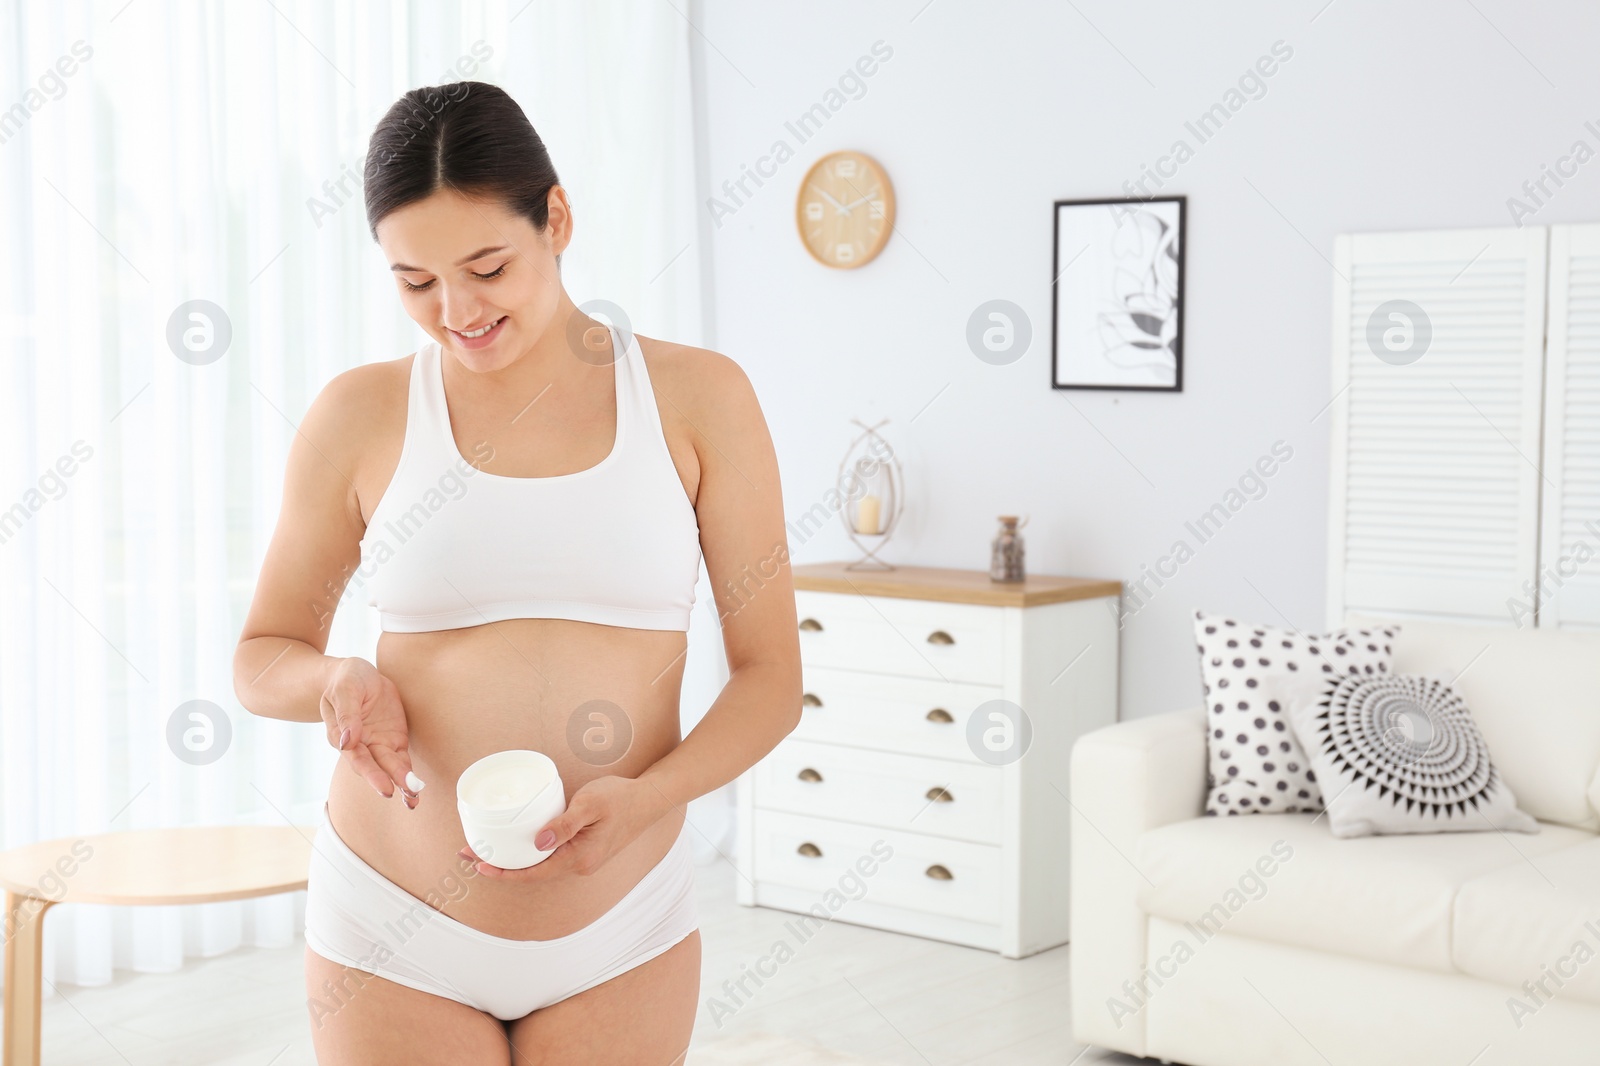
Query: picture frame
(1116,294)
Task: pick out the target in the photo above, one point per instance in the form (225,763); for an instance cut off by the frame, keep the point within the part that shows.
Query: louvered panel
(1570,552)
(1434,499)
(1377,516)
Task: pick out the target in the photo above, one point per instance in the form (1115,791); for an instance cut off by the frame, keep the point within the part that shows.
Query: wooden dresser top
(953,586)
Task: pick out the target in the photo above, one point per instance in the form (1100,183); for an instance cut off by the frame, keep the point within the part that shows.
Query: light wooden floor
(876,995)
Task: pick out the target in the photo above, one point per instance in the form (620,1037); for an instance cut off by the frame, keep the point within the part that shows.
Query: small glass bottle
(1005,554)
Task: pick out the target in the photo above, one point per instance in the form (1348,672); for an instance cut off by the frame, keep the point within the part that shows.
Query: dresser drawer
(909,638)
(889,713)
(923,873)
(908,792)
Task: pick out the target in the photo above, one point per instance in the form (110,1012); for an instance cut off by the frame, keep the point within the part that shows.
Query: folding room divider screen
(1465,480)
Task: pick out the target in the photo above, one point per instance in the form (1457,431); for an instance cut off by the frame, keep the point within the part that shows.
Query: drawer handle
(939,714)
(939,636)
(809,700)
(939,873)
(808,774)
(810,625)
(940,795)
(811,851)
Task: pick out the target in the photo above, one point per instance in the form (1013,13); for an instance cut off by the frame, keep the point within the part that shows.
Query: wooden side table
(143,867)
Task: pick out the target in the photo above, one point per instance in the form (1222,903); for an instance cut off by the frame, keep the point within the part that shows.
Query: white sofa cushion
(1388,899)
(1535,694)
(1244,1002)
(1536,921)
(1401,754)
(1594,791)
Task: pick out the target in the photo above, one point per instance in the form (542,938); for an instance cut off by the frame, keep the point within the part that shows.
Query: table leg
(24,976)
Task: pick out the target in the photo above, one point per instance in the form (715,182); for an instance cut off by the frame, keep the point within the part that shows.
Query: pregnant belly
(599,700)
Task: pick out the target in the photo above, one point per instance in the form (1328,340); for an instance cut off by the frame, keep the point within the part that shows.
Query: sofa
(1262,940)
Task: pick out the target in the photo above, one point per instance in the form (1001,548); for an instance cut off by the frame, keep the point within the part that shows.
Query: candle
(503,800)
(867,515)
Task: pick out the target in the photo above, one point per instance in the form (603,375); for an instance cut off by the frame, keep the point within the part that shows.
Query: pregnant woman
(526,500)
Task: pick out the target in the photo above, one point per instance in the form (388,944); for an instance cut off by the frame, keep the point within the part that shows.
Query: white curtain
(155,153)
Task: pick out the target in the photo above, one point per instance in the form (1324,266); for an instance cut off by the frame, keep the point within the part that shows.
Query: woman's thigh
(643,1016)
(358,1019)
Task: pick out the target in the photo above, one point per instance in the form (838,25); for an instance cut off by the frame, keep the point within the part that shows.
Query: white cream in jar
(504,799)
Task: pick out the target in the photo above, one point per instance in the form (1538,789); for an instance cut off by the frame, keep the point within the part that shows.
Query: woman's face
(462,264)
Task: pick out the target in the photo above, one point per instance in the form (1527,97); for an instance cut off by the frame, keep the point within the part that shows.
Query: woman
(536,595)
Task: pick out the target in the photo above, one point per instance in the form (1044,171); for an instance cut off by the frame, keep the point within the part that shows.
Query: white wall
(1406,115)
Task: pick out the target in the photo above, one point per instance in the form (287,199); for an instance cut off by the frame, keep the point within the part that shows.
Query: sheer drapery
(154,154)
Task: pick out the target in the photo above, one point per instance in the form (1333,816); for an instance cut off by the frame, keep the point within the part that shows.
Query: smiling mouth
(476,333)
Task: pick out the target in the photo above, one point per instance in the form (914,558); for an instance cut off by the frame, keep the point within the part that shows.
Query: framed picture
(1116,319)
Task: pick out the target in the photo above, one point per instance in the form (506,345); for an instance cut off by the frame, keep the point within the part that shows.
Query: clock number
(844,253)
(814,211)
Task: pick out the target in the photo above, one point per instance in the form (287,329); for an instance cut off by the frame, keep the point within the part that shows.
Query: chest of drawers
(912,796)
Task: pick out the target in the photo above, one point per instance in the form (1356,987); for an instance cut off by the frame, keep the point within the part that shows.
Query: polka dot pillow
(1252,676)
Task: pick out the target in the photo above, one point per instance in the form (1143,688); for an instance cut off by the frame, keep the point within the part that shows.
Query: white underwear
(358,918)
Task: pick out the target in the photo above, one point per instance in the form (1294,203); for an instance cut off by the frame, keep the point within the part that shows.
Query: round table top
(195,864)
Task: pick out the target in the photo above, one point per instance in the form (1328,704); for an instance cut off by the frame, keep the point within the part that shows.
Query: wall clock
(845,210)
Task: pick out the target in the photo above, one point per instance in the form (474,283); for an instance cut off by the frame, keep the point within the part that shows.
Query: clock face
(845,210)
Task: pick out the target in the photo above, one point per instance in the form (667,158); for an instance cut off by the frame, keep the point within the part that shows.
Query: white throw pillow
(1253,676)
(1401,754)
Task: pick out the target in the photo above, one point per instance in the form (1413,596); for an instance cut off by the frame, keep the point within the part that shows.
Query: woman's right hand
(367,722)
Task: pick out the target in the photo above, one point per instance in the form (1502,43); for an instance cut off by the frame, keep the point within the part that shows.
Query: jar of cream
(506,798)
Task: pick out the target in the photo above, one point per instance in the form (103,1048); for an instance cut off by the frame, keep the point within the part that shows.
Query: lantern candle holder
(870,481)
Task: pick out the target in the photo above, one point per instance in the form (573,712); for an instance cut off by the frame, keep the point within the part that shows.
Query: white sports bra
(451,546)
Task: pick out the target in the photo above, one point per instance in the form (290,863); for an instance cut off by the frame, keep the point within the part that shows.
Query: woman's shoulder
(368,387)
(359,404)
(696,376)
(707,399)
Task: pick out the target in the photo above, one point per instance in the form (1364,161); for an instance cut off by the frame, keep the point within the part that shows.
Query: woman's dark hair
(468,136)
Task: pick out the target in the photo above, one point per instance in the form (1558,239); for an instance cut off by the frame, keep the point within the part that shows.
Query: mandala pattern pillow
(1253,676)
(1401,754)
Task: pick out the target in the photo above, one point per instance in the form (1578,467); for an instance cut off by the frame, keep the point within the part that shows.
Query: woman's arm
(279,667)
(743,538)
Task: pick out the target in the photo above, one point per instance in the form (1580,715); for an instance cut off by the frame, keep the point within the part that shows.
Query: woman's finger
(361,762)
(333,720)
(554,866)
(567,825)
(348,715)
(330,719)
(396,766)
(346,720)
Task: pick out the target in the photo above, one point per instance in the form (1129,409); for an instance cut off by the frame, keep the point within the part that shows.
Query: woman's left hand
(603,817)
